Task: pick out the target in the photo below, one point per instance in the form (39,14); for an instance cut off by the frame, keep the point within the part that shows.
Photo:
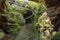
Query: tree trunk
(3,17)
(2,6)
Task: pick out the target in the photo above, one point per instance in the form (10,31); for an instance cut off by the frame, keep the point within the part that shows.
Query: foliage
(17,10)
(56,36)
(15,16)
(42,24)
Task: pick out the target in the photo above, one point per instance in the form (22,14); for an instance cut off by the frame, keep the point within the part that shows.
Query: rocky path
(26,33)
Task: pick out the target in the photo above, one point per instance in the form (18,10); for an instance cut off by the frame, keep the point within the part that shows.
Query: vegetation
(13,22)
